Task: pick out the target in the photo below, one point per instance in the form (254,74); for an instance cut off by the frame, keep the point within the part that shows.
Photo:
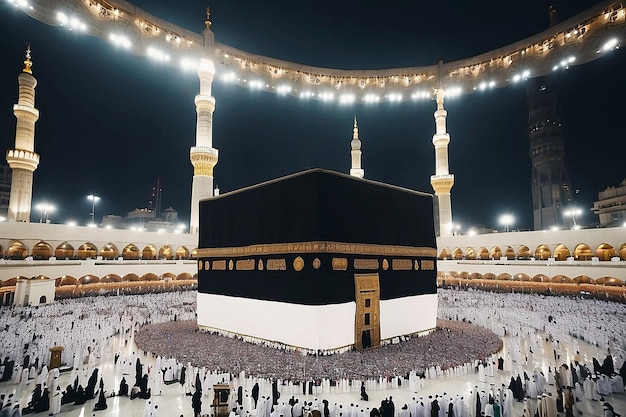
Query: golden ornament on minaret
(28,63)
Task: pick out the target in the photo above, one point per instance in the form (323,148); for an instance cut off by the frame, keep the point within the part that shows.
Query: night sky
(112,123)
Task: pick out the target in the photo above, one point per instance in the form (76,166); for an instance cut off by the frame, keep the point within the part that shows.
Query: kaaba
(318,261)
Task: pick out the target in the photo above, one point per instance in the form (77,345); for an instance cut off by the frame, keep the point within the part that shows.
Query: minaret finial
(207,22)
(28,63)
(355,129)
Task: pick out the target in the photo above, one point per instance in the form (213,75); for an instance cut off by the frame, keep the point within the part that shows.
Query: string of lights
(575,41)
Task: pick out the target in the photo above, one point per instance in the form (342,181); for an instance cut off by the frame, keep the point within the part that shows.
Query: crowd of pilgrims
(262,385)
(456,344)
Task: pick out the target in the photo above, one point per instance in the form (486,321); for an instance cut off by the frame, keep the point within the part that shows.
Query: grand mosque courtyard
(531,328)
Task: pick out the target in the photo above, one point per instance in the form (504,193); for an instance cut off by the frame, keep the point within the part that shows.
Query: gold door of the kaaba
(367,319)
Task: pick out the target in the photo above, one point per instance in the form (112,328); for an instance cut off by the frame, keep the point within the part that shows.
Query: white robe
(55,401)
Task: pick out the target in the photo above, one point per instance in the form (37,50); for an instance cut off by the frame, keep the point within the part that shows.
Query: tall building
(550,184)
(551,191)
(22,159)
(155,199)
(611,206)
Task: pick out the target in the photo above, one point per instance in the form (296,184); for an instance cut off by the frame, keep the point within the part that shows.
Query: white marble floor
(172,403)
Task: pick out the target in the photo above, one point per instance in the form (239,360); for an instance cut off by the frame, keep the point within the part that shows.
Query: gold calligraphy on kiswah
(318,247)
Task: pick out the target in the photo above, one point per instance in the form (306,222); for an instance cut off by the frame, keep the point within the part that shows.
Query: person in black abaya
(519,389)
(607,366)
(69,396)
(90,389)
(33,404)
(123,388)
(44,402)
(390,408)
(102,401)
(584,371)
(8,369)
(183,371)
(434,408)
(240,396)
(143,387)
(80,398)
(275,393)
(255,393)
(381,409)
(196,403)
(597,368)
(138,372)
(364,395)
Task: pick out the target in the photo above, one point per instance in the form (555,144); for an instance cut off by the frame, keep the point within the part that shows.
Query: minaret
(22,159)
(356,170)
(203,156)
(442,181)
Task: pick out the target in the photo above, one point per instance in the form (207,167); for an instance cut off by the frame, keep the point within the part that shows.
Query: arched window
(495,253)
(605,252)
(523,252)
(89,279)
(109,251)
(561,253)
(166,252)
(87,250)
(182,253)
(521,277)
(582,252)
(42,251)
(17,251)
(149,253)
(130,253)
(542,252)
(68,280)
(64,251)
